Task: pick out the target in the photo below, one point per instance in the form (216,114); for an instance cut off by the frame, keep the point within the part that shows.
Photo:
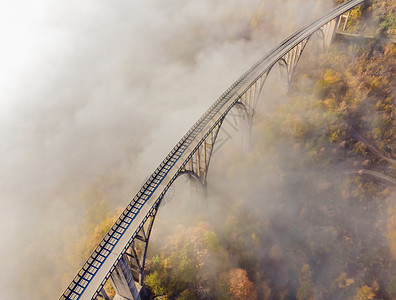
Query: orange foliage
(240,285)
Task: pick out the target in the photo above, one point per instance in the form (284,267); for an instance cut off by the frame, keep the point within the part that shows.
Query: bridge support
(249,99)
(123,283)
(127,278)
(289,61)
(343,19)
(198,164)
(328,33)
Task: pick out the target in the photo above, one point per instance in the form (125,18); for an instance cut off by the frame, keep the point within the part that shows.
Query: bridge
(120,256)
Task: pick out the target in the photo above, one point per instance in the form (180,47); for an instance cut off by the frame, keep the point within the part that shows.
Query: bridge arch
(194,176)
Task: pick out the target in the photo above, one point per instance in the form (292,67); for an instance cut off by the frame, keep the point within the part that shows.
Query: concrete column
(123,283)
(329,32)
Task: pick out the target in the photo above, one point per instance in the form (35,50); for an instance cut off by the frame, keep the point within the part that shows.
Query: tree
(365,293)
(240,285)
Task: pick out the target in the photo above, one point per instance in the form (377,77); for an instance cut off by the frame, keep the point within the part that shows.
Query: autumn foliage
(327,229)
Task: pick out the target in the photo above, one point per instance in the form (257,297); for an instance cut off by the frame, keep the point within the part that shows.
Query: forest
(337,238)
(310,211)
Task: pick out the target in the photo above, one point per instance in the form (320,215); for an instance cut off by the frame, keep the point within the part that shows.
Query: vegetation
(330,231)
(322,225)
(377,17)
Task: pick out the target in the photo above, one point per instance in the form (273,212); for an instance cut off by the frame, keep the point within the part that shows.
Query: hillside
(311,211)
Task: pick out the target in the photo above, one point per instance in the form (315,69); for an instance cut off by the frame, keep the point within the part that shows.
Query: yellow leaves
(332,84)
(378,105)
(299,128)
(330,77)
(109,289)
(377,83)
(295,126)
(334,107)
(211,240)
(167,263)
(343,281)
(365,293)
(334,135)
(349,281)
(185,295)
(343,106)
(360,148)
(154,282)
(240,285)
(354,17)
(329,103)
(390,49)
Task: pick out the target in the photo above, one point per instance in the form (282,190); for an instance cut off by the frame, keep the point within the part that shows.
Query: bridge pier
(198,164)
(123,283)
(328,33)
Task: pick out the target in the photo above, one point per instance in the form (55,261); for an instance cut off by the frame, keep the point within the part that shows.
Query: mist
(296,210)
(93,96)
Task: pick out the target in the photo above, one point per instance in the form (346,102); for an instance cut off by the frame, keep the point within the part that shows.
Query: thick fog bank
(93,95)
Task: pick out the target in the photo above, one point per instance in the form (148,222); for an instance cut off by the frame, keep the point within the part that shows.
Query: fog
(97,93)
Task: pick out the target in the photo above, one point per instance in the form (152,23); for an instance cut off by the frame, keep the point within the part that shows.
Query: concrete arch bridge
(121,254)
